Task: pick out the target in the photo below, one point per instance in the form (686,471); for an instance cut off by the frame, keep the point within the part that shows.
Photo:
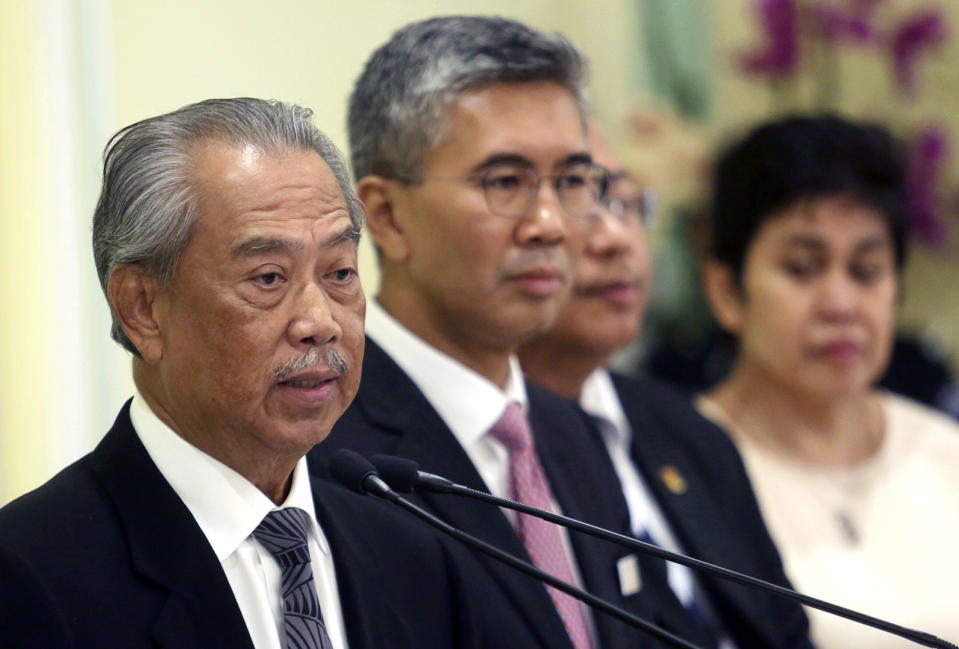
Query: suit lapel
(364,608)
(687,504)
(167,547)
(391,401)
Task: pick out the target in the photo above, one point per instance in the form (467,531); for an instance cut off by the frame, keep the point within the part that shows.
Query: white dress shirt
(599,399)
(468,403)
(228,507)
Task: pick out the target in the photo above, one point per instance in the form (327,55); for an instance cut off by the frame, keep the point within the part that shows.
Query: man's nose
(312,322)
(545,223)
(608,236)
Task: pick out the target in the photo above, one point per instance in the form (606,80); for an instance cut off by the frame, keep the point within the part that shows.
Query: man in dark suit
(225,238)
(683,480)
(468,143)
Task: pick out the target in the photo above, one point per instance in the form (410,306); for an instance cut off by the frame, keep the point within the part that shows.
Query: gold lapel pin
(673,479)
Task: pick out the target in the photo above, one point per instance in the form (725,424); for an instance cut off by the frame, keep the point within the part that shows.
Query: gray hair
(400,103)
(147,207)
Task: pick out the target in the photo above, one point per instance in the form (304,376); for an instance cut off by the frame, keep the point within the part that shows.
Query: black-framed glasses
(511,189)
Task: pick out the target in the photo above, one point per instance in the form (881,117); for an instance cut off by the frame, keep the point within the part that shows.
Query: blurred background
(671,81)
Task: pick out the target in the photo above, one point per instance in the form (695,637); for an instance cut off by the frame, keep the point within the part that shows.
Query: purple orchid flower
(929,151)
(922,32)
(854,24)
(779,56)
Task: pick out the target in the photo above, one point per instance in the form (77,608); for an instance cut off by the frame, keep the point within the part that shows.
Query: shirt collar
(599,398)
(469,403)
(226,506)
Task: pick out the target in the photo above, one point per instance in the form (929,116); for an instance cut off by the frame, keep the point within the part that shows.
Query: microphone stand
(531,570)
(357,474)
(441,485)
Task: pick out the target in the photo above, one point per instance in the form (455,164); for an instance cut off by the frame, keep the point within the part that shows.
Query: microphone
(358,474)
(355,472)
(404,475)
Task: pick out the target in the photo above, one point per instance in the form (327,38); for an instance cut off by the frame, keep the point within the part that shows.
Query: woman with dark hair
(859,488)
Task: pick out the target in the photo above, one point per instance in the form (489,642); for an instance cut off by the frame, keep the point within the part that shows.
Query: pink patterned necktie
(527,484)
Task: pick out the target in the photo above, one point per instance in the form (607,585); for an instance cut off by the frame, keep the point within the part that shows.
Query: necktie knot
(512,430)
(283,533)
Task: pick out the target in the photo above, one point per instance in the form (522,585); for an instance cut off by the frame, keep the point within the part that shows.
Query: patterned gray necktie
(283,534)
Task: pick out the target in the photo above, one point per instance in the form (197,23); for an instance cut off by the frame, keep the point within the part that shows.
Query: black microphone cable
(358,474)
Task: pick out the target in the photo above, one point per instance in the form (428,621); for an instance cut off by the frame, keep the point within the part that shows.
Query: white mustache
(309,359)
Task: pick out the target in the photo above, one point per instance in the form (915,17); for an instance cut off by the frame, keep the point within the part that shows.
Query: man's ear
(387,206)
(132,296)
(724,294)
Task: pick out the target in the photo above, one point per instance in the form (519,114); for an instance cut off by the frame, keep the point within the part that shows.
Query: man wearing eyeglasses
(469,148)
(682,479)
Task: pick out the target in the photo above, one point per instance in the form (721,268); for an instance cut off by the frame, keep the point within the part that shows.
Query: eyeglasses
(638,209)
(628,202)
(510,189)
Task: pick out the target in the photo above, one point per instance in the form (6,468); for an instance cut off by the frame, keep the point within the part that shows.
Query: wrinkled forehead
(233,183)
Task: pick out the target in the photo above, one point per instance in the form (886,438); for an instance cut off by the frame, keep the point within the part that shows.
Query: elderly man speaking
(225,239)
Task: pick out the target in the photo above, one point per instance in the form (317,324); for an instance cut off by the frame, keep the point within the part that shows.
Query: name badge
(630,581)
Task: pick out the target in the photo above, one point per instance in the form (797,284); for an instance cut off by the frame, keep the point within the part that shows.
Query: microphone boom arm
(442,485)
(525,567)
(358,474)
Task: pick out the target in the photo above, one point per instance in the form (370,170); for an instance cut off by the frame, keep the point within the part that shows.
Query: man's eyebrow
(349,233)
(522,161)
(265,245)
(494,159)
(260,245)
(580,157)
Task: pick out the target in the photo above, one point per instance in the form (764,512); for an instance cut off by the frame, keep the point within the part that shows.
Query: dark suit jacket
(106,555)
(714,515)
(390,415)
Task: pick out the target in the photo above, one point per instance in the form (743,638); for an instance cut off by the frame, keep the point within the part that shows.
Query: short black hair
(800,158)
